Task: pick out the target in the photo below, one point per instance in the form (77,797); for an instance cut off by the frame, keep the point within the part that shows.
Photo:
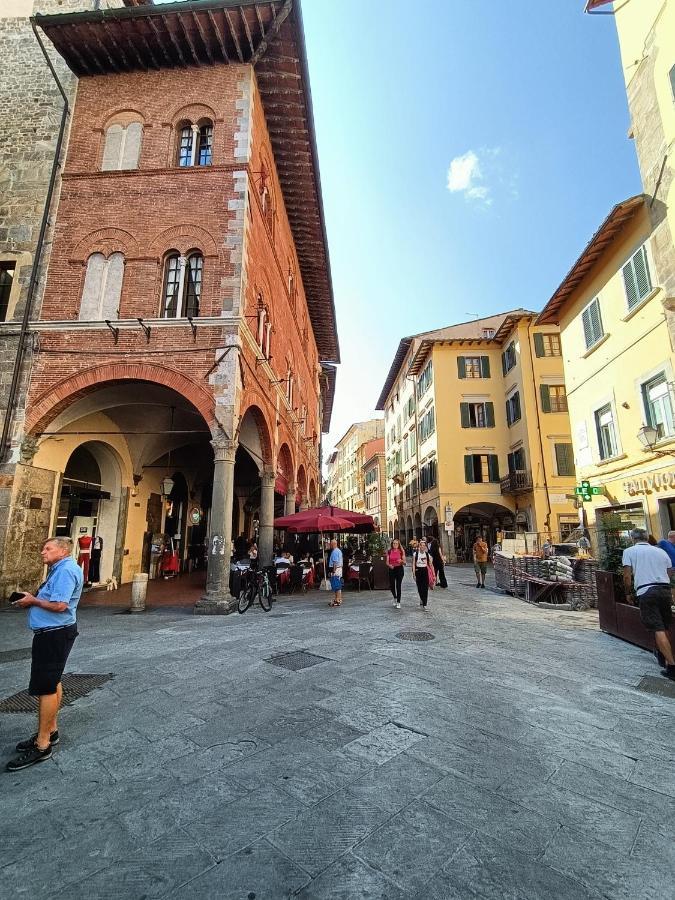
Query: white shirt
(649,564)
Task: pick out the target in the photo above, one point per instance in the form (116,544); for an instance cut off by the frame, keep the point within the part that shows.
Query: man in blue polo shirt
(52,619)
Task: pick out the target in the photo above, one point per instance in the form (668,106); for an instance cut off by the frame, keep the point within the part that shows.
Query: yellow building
(646,31)
(619,366)
(477,435)
(344,475)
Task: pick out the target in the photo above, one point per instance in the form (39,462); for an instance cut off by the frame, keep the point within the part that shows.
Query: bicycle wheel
(245,599)
(265,594)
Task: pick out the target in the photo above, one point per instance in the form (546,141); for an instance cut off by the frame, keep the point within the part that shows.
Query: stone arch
(254,436)
(301,481)
(183,238)
(409,529)
(123,117)
(312,493)
(192,113)
(55,399)
(285,470)
(105,241)
(418,525)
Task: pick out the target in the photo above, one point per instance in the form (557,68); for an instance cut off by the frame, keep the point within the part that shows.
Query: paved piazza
(510,757)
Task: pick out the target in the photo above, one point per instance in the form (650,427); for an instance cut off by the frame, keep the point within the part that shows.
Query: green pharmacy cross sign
(585,491)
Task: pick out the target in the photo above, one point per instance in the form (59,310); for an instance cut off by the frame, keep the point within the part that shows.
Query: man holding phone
(52,619)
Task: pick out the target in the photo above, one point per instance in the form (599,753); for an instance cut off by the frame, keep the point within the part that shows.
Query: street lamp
(167,486)
(649,436)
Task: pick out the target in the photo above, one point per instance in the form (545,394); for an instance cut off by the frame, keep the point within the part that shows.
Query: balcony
(516,483)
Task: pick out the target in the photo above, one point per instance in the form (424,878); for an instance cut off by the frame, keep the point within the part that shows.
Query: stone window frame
(21,260)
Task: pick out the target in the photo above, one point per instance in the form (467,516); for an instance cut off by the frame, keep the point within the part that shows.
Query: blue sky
(528,98)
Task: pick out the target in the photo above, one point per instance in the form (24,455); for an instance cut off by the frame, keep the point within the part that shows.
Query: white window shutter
(132,146)
(114,137)
(632,295)
(641,269)
(112,287)
(91,293)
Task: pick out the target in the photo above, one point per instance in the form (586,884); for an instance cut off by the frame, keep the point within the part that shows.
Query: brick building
(181,374)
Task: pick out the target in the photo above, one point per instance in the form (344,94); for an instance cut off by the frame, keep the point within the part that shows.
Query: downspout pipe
(20,350)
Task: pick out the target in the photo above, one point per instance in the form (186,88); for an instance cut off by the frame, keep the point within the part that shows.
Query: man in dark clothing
(438,561)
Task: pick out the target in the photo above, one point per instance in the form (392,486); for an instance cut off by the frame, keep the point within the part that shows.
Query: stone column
(266,532)
(289,509)
(217,599)
(304,504)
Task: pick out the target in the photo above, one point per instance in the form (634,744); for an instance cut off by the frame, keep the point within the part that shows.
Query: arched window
(266,199)
(195,145)
(102,288)
(122,147)
(182,286)
(264,334)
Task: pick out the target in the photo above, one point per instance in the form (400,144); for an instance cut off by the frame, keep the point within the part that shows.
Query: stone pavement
(510,757)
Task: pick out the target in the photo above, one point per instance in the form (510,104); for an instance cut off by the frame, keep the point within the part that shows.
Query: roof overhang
(327,382)
(616,221)
(403,347)
(592,5)
(268,36)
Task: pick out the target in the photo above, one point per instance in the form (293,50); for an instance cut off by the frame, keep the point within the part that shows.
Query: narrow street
(512,755)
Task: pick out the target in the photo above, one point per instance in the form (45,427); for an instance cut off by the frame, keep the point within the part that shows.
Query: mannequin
(84,543)
(95,565)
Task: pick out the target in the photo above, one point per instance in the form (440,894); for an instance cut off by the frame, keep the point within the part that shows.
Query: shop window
(547,345)
(182,286)
(102,288)
(591,320)
(477,415)
(481,468)
(122,147)
(658,405)
(7,273)
(606,432)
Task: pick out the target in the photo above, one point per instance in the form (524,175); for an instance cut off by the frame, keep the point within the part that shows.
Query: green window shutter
(564,459)
(508,412)
(504,369)
(630,286)
(641,269)
(490,414)
(461,367)
(468,469)
(485,366)
(464,414)
(539,345)
(545,398)
(493,467)
(516,406)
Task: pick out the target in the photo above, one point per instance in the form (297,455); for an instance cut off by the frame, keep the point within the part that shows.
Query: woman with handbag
(423,572)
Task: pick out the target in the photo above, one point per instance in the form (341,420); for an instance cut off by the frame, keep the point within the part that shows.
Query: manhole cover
(12,655)
(74,687)
(662,687)
(415,636)
(298,659)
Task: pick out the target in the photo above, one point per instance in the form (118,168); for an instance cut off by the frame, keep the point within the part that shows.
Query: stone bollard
(139,587)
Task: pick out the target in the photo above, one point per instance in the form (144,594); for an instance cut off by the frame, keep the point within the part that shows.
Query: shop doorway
(486,520)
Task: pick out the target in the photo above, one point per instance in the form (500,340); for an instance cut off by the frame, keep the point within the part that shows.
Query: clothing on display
(95,564)
(84,543)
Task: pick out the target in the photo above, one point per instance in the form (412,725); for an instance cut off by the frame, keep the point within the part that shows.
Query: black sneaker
(478,585)
(26,745)
(29,758)
(669,672)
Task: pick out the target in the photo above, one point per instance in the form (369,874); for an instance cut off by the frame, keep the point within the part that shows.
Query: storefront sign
(660,481)
(195,515)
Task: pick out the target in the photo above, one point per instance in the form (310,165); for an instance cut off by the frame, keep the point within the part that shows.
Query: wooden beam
(111,62)
(155,64)
(139,59)
(175,43)
(188,40)
(274,30)
(233,32)
(86,67)
(113,40)
(158,38)
(261,24)
(195,19)
(219,35)
(247,30)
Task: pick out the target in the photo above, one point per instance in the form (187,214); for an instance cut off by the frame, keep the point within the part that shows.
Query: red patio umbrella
(306,520)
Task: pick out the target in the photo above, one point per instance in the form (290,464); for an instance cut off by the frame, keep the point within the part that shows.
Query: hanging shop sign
(195,515)
(660,481)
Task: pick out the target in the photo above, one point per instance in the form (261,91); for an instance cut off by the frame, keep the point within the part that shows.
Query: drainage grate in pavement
(74,687)
(415,636)
(12,655)
(297,659)
(662,687)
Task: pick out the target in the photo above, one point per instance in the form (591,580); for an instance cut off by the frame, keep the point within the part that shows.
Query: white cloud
(466,175)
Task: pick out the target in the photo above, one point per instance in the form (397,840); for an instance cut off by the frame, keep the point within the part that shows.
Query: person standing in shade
(253,555)
(650,569)
(423,571)
(52,619)
(335,562)
(480,558)
(438,561)
(396,563)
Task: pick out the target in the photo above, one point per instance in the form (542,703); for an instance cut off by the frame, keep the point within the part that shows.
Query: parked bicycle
(255,584)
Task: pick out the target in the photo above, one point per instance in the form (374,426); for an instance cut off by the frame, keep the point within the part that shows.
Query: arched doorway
(312,494)
(409,533)
(254,481)
(418,526)
(431,522)
(301,485)
(486,519)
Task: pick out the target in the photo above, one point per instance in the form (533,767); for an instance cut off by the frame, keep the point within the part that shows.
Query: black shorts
(50,653)
(656,611)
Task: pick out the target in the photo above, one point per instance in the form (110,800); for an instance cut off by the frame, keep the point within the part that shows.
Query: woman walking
(423,571)
(396,562)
